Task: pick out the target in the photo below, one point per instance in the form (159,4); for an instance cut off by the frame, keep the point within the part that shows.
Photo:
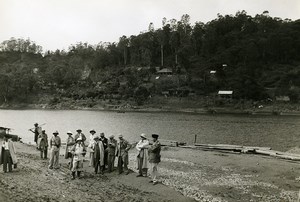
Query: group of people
(102,152)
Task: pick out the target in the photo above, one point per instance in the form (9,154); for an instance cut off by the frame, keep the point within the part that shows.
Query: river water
(279,132)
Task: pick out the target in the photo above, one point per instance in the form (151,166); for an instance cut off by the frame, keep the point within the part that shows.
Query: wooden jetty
(266,151)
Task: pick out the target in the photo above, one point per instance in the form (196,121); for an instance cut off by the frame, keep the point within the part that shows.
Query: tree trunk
(125,58)
(162,54)
(176,57)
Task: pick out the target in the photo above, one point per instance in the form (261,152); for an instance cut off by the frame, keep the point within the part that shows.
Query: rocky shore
(275,109)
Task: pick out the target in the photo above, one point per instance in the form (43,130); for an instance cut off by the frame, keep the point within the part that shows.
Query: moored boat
(5,132)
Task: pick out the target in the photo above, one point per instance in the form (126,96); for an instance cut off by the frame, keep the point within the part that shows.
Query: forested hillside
(255,57)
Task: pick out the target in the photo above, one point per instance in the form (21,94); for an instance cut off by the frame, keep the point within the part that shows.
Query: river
(279,132)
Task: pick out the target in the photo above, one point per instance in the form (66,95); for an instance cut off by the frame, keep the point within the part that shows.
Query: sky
(56,24)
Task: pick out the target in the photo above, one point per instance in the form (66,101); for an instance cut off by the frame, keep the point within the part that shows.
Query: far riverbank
(168,107)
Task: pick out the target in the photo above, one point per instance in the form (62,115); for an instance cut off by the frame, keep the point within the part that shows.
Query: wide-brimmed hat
(69,132)
(43,131)
(143,135)
(79,139)
(78,130)
(111,136)
(120,136)
(96,137)
(155,135)
(36,124)
(92,131)
(55,132)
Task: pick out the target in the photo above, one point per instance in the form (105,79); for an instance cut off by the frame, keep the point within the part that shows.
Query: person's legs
(109,162)
(97,164)
(51,159)
(140,165)
(5,160)
(102,168)
(125,162)
(154,172)
(113,162)
(145,172)
(92,159)
(74,169)
(9,163)
(79,167)
(56,160)
(45,153)
(120,164)
(105,159)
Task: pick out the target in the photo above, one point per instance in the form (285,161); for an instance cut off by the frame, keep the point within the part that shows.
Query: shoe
(139,176)
(150,181)
(50,168)
(154,183)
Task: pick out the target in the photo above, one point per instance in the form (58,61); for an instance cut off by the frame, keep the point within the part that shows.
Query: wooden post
(195,139)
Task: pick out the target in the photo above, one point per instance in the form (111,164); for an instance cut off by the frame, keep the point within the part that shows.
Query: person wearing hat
(55,143)
(111,145)
(142,157)
(98,157)
(43,144)
(80,134)
(91,143)
(122,154)
(36,130)
(69,144)
(103,139)
(8,154)
(78,150)
(154,158)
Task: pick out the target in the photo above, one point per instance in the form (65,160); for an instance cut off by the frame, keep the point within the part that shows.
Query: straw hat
(143,135)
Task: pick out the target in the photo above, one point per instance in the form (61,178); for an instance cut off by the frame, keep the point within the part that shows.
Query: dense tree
(259,53)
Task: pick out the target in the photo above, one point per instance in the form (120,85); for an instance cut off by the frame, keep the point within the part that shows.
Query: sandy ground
(33,181)
(185,175)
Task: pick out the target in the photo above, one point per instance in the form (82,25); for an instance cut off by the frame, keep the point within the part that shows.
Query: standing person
(154,158)
(43,144)
(111,147)
(122,154)
(91,143)
(98,157)
(55,143)
(69,144)
(80,134)
(103,139)
(37,130)
(8,155)
(78,151)
(142,157)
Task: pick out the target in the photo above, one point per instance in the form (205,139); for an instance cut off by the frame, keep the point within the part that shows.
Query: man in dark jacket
(80,134)
(154,158)
(37,130)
